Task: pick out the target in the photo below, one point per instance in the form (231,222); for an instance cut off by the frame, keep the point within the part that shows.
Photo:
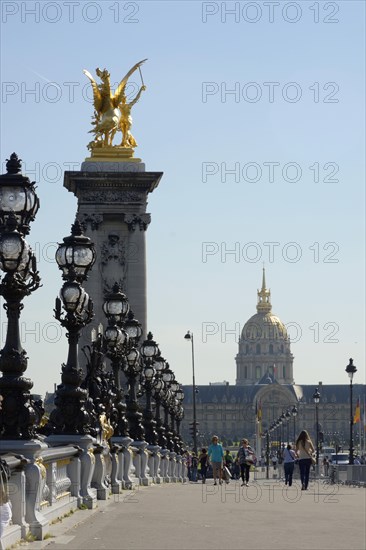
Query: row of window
(258,349)
(278,371)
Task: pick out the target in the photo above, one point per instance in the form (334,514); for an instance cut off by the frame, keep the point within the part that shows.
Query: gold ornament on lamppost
(112,114)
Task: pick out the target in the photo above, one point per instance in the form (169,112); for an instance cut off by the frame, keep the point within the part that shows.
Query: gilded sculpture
(112,112)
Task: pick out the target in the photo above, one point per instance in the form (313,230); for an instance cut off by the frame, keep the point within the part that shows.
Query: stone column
(112,210)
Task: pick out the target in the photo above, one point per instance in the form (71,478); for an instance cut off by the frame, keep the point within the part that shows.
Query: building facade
(265,390)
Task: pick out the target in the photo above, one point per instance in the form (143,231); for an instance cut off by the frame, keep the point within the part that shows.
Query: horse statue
(112,113)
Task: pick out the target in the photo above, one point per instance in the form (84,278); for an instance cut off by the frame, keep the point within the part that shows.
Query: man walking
(216,455)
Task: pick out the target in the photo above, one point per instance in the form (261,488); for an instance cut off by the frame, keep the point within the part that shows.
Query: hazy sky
(254,111)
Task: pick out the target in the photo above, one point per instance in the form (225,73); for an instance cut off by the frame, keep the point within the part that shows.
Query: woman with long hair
(304,449)
(246,458)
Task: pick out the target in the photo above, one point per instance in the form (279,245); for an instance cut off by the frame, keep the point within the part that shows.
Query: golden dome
(264,326)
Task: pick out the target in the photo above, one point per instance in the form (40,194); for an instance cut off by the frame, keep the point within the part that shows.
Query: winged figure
(111,111)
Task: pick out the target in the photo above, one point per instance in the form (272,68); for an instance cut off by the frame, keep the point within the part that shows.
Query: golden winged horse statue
(112,113)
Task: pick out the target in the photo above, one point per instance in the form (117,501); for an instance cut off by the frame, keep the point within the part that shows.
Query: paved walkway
(264,516)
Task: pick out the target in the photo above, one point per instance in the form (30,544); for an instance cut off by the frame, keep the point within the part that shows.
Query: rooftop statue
(112,113)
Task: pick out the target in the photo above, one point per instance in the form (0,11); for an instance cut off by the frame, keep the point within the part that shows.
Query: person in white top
(304,449)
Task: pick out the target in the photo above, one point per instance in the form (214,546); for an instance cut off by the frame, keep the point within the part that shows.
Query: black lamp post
(294,414)
(267,454)
(75,257)
(159,393)
(149,351)
(174,408)
(179,416)
(283,420)
(189,336)
(316,398)
(115,308)
(288,416)
(168,378)
(351,370)
(18,207)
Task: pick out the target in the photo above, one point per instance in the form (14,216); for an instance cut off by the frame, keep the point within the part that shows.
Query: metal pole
(317,434)
(267,455)
(194,401)
(351,461)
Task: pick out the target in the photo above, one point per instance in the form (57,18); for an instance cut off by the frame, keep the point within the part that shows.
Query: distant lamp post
(189,336)
(294,415)
(288,416)
(149,351)
(316,399)
(351,370)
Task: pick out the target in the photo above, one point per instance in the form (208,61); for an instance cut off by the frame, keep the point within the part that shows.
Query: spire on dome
(264,297)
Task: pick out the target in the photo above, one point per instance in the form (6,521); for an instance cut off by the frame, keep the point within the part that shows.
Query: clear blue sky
(292,130)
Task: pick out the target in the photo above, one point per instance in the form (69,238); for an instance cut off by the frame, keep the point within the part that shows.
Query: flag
(259,412)
(357,416)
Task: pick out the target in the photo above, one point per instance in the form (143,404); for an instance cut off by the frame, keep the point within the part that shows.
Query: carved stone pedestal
(112,210)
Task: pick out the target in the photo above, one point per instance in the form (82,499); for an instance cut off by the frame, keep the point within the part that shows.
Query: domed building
(264,346)
(265,391)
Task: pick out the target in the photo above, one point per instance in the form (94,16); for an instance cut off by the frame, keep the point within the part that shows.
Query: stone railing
(58,479)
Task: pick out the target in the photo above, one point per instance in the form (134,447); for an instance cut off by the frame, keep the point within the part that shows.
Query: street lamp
(149,351)
(288,416)
(351,370)
(75,258)
(189,336)
(117,341)
(18,207)
(294,414)
(316,398)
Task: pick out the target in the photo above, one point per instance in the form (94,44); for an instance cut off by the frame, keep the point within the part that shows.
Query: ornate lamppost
(168,377)
(149,351)
(316,399)
(159,393)
(75,257)
(351,369)
(294,414)
(189,336)
(179,394)
(288,416)
(18,207)
(283,420)
(174,408)
(116,338)
(132,370)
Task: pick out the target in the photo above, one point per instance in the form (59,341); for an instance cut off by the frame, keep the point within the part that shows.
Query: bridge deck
(266,515)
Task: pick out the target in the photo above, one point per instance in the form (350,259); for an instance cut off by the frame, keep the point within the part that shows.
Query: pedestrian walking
(289,457)
(189,465)
(236,469)
(194,466)
(246,458)
(203,464)
(305,450)
(216,455)
(228,460)
(326,465)
(274,461)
